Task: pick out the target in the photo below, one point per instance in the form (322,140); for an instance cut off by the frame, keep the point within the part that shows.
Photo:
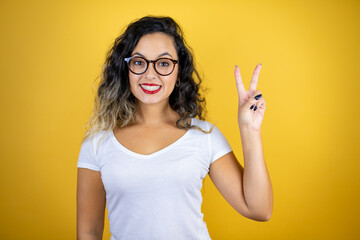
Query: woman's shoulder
(97,137)
(98,140)
(203,124)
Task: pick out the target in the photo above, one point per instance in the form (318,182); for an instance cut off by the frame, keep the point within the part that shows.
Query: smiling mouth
(150,89)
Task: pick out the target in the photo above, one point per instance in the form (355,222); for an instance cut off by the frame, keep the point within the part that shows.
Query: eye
(164,63)
(138,63)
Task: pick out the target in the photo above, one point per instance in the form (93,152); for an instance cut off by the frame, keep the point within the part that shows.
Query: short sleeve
(87,158)
(219,146)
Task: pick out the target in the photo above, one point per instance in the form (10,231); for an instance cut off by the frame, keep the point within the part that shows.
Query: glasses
(139,65)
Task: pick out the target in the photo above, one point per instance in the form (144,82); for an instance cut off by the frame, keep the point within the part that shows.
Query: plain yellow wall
(52,52)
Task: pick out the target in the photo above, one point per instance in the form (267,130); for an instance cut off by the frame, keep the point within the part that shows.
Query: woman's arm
(248,190)
(257,185)
(90,203)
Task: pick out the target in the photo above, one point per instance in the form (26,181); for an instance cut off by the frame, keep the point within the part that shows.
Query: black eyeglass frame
(127,60)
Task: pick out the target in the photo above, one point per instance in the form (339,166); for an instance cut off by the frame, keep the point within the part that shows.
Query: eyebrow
(163,54)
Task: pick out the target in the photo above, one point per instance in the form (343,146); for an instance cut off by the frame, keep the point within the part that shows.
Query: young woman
(149,147)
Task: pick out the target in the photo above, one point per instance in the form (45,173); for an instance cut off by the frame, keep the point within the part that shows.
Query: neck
(153,115)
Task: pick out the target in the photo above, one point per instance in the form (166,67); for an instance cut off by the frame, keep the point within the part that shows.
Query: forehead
(153,44)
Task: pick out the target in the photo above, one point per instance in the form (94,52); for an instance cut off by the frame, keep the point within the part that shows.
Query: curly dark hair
(115,104)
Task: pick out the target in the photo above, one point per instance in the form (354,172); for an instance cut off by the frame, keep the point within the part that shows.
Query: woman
(146,154)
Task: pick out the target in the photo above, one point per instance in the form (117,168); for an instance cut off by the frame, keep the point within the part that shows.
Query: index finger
(239,83)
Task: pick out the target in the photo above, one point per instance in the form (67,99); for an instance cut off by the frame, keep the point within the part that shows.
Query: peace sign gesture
(251,103)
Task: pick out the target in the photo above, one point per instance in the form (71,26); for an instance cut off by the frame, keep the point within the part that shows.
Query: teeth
(150,88)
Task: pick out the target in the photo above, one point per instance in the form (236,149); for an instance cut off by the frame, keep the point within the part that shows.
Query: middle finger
(254,79)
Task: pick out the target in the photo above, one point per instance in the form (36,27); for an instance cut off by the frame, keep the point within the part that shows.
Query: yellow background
(52,52)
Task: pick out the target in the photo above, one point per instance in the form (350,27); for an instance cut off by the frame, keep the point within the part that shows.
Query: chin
(152,101)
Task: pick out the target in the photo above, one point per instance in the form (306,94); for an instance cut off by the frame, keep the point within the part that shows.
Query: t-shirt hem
(220,154)
(87,165)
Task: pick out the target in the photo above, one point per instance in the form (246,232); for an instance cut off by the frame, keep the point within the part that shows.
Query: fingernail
(260,64)
(255,108)
(252,106)
(236,66)
(258,96)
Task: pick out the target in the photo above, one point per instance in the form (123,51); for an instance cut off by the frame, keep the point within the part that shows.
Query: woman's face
(152,47)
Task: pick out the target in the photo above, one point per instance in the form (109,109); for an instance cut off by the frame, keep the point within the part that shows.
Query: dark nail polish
(258,96)
(255,108)
(252,106)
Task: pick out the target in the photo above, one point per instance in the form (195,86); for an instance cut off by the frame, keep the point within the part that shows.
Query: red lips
(150,84)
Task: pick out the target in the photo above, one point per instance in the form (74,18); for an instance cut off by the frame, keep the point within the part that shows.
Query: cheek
(176,73)
(172,80)
(133,80)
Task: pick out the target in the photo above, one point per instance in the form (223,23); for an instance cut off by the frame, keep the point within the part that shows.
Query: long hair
(115,104)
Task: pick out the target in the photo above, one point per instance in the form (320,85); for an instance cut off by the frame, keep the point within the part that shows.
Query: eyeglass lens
(162,66)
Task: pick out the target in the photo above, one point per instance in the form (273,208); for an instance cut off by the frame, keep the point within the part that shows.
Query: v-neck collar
(138,155)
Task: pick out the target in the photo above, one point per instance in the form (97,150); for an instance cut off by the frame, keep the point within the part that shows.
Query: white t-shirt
(156,196)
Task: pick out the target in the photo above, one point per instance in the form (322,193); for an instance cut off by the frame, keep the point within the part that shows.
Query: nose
(150,71)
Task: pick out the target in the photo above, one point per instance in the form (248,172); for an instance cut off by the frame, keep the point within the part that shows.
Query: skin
(90,203)
(247,189)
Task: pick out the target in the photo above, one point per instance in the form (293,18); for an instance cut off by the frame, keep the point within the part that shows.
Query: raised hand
(250,110)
